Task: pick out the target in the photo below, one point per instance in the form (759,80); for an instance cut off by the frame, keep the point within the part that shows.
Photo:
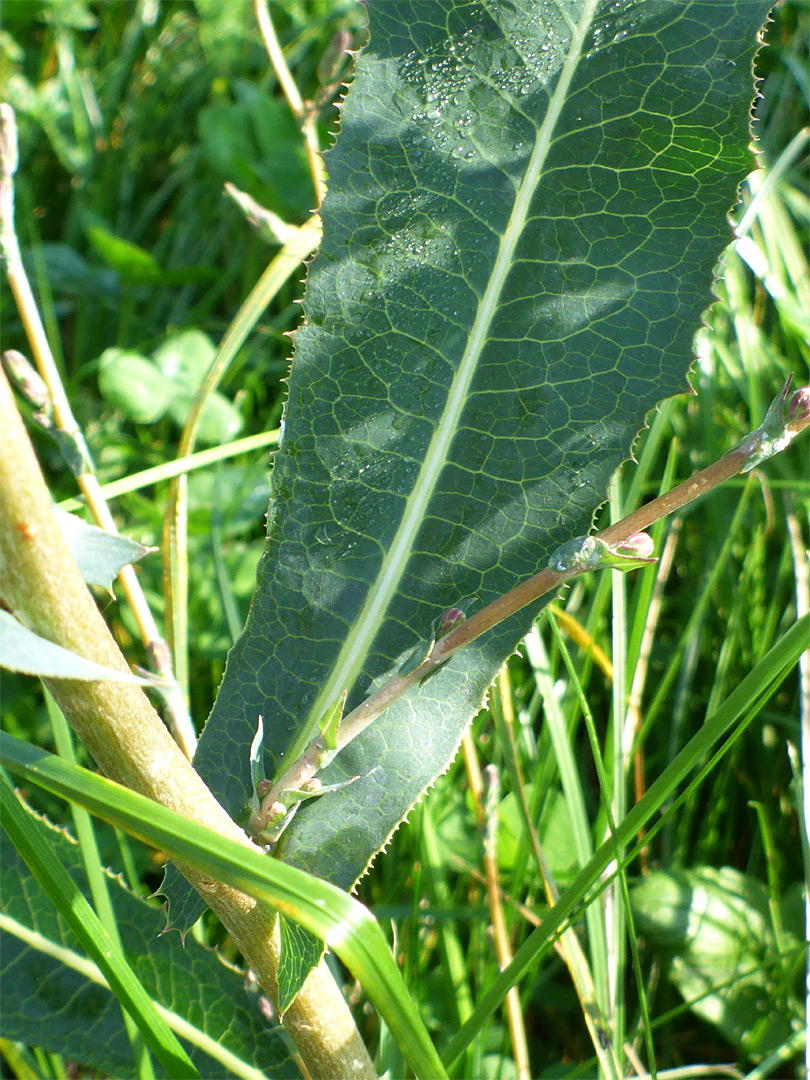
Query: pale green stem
(175,554)
(170,469)
(305,116)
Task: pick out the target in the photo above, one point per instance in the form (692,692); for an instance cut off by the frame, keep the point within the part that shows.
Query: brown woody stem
(313,759)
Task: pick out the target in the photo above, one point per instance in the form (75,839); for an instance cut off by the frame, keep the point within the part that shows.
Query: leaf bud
(449,619)
(783,421)
(453,617)
(637,546)
(797,406)
(275,813)
(28,381)
(592,553)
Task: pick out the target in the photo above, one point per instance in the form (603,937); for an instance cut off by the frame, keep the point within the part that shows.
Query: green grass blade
(771,669)
(84,922)
(575,800)
(169,469)
(96,878)
(345,924)
(604,787)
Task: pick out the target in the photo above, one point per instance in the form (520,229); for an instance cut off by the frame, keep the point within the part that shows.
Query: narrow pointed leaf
(23,650)
(100,555)
(526,203)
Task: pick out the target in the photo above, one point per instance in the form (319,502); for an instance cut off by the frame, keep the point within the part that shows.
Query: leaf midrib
(349,661)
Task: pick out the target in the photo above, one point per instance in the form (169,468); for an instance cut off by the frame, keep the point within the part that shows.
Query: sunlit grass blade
(575,801)
(592,1002)
(96,878)
(169,469)
(624,891)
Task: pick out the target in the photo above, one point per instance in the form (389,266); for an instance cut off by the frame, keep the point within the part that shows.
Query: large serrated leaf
(526,203)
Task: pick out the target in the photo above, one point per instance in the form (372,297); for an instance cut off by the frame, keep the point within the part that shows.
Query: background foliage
(132,116)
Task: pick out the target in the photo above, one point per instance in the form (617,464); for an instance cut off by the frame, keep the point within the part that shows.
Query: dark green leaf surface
(300,952)
(50,1004)
(98,942)
(526,202)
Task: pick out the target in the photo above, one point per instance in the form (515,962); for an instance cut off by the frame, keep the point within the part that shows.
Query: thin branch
(157,474)
(305,116)
(318,755)
(503,948)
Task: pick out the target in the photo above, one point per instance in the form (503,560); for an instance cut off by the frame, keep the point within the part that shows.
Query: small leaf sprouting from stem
(417,656)
(779,427)
(331,722)
(257,777)
(273,806)
(592,553)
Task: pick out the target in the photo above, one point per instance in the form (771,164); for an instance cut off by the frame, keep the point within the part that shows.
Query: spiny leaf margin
(449,136)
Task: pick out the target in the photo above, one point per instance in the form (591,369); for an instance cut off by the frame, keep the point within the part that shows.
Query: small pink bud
(313,785)
(638,546)
(453,617)
(263,787)
(797,406)
(449,619)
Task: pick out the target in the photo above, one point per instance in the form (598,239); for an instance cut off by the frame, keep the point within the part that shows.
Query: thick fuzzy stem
(41,585)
